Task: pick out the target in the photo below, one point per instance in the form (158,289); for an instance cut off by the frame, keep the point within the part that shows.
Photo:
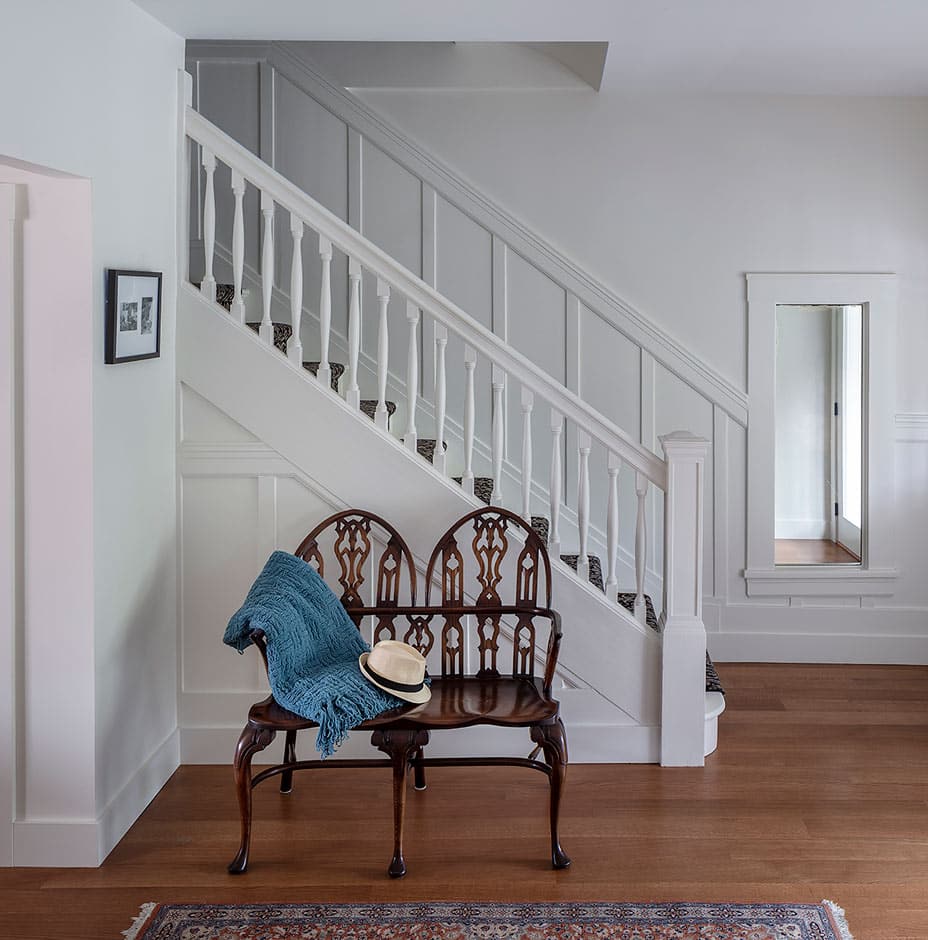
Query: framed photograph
(133,315)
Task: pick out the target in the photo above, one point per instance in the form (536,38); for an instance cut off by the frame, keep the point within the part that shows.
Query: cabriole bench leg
(418,772)
(553,741)
(252,741)
(286,778)
(399,746)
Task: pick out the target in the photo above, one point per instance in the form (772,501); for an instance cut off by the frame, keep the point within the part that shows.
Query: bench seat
(456,702)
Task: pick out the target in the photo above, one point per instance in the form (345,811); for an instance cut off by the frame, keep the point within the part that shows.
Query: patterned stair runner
(336,368)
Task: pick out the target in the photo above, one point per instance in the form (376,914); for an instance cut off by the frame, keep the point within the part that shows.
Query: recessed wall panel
(220,532)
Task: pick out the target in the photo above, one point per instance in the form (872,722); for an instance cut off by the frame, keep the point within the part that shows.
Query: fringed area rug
(466,921)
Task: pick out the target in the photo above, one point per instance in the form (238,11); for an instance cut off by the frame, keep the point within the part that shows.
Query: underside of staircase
(483,486)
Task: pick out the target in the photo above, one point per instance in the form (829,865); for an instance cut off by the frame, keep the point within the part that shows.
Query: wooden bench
(513,698)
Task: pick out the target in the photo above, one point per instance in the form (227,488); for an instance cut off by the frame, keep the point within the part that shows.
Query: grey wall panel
(391,217)
(610,369)
(229,95)
(391,207)
(536,317)
(464,263)
(311,147)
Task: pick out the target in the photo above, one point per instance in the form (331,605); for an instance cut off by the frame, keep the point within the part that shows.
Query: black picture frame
(133,316)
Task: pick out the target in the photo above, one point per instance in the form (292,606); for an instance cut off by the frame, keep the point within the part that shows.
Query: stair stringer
(604,648)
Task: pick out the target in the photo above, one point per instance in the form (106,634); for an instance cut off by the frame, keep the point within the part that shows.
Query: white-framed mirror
(820,484)
(819,441)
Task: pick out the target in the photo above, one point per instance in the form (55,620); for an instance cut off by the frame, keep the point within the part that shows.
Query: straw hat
(396,668)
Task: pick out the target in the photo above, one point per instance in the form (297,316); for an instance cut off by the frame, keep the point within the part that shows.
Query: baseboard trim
(85,843)
(750,647)
(130,802)
(590,743)
(58,843)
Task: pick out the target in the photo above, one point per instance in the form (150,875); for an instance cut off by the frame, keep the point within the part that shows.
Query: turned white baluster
(381,417)
(353,395)
(613,466)
(470,364)
(208,284)
(641,545)
(528,402)
(583,504)
(410,438)
(325,312)
(294,345)
(266,330)
(441,393)
(238,246)
(554,487)
(499,386)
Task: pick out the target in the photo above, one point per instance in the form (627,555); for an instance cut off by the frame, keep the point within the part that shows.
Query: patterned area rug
(466,921)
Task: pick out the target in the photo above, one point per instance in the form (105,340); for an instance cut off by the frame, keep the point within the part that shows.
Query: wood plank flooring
(812,552)
(819,789)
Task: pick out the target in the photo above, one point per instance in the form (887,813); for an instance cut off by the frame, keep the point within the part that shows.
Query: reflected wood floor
(819,789)
(812,552)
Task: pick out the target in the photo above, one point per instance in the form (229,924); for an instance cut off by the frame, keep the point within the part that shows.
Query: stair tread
(426,448)
(369,407)
(336,368)
(483,487)
(541,527)
(596,569)
(282,333)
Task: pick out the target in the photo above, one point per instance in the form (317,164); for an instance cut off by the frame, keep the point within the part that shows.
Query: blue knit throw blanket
(312,649)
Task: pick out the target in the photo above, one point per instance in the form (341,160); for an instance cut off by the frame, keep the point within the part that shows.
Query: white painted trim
(59,843)
(10,549)
(130,802)
(803,528)
(877,293)
(715,705)
(720,485)
(589,743)
(594,295)
(85,843)
(820,581)
(775,647)
(912,428)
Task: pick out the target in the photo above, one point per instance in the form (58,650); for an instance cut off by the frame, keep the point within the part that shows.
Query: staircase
(683,670)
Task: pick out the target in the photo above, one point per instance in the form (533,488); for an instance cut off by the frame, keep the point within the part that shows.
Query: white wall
(803,422)
(103,106)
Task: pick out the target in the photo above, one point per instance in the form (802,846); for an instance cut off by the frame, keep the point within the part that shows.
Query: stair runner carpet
(483,486)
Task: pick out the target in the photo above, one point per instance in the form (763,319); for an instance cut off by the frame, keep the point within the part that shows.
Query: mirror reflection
(819,436)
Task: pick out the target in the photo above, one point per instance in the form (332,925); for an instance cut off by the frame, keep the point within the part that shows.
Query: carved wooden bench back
(487,535)
(353,544)
(475,552)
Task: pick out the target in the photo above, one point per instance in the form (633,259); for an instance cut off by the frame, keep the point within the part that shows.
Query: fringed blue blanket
(312,649)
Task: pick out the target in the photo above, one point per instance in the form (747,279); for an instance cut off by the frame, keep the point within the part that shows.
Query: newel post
(683,696)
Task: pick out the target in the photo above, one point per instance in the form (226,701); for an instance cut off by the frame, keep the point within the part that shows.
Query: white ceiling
(849,47)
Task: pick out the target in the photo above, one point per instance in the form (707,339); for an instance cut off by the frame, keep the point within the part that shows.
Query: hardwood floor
(819,789)
(812,552)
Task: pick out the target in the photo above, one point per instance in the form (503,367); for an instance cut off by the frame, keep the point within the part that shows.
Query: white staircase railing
(679,475)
